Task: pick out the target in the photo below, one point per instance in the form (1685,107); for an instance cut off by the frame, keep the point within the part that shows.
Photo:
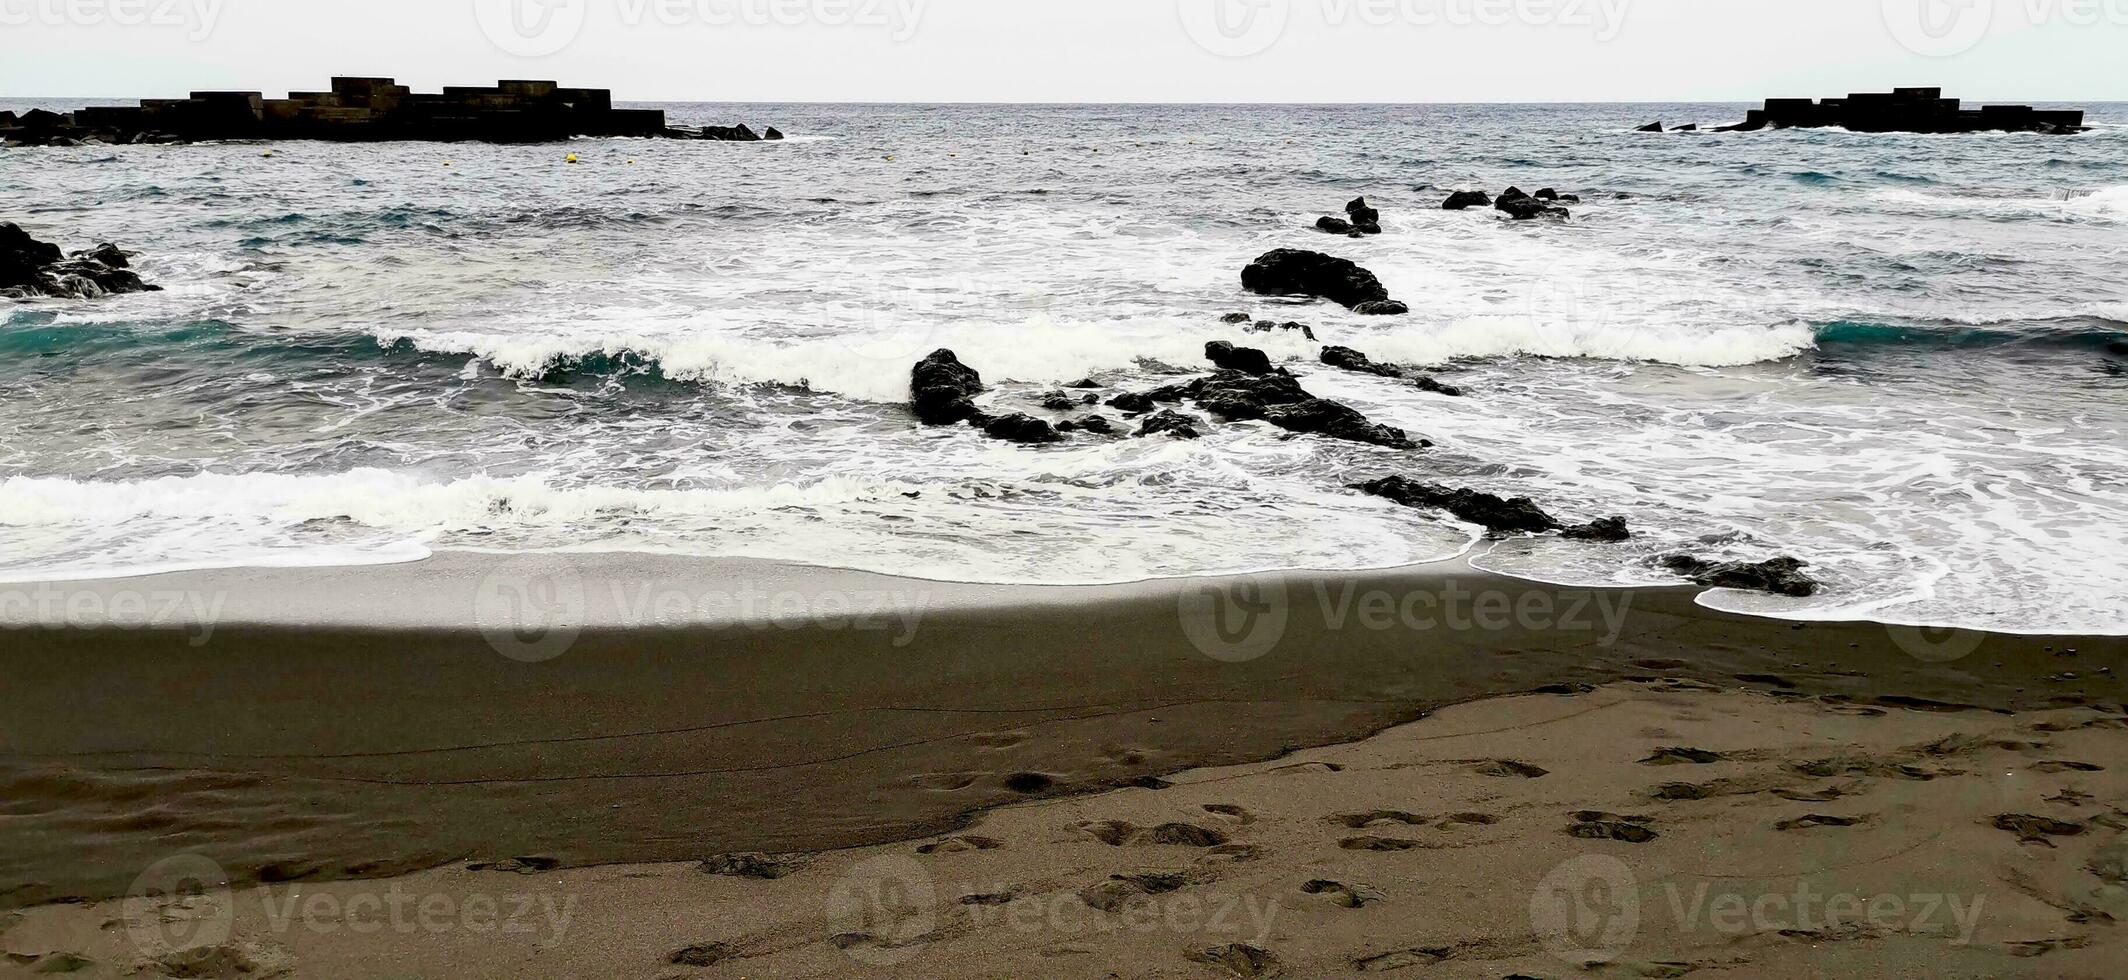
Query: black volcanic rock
(772,133)
(1173,423)
(1320,416)
(1236,318)
(1779,576)
(1610,530)
(1366,219)
(1462,200)
(1277,398)
(1248,360)
(32,268)
(1296,272)
(1020,428)
(1335,226)
(1653,127)
(2118,348)
(1523,207)
(1267,326)
(1096,424)
(943,389)
(1347,359)
(1381,307)
(1499,515)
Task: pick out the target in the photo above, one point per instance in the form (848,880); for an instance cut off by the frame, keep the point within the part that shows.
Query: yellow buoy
(572,158)
(268,153)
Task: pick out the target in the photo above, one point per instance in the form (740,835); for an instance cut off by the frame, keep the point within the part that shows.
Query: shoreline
(357,746)
(454,567)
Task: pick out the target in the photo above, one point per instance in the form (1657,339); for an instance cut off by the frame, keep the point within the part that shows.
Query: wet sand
(331,727)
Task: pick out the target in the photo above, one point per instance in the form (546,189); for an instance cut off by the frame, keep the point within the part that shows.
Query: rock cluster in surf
(1780,576)
(30,268)
(1360,220)
(1515,203)
(1498,515)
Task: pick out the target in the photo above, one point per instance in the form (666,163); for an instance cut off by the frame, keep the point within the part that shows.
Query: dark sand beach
(653,711)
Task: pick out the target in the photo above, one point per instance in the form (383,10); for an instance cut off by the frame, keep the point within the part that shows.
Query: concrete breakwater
(1909,110)
(363,110)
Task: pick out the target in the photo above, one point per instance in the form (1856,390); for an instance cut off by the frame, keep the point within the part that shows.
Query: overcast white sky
(1083,50)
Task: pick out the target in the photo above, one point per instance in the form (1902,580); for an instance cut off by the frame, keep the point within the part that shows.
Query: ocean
(1893,356)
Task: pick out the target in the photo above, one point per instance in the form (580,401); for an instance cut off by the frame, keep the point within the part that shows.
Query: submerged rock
(1173,423)
(943,389)
(1382,307)
(772,133)
(1097,424)
(1499,515)
(1245,359)
(1020,428)
(31,268)
(1275,397)
(1523,207)
(1347,359)
(1463,200)
(1237,318)
(1779,576)
(1266,326)
(1610,530)
(1336,226)
(1297,272)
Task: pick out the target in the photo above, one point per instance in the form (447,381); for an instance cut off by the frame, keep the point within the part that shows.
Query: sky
(1229,51)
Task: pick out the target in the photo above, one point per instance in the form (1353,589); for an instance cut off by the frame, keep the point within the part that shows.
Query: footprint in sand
(1509,769)
(760,867)
(1819,820)
(2071,797)
(1239,959)
(946,782)
(1682,757)
(1682,792)
(1403,959)
(1232,854)
(1379,818)
(1454,820)
(999,741)
(1598,825)
(2035,830)
(1381,844)
(1030,783)
(1822,796)
(1117,833)
(1230,812)
(707,954)
(2061,767)
(961,845)
(1340,894)
(1113,894)
(990,899)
